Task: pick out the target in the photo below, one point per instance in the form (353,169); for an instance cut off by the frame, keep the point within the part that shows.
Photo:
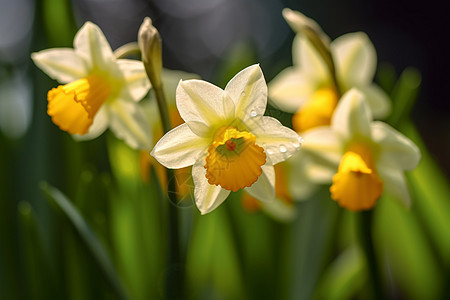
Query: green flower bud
(149,42)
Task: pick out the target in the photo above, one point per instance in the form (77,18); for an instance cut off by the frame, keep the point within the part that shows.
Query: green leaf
(87,236)
(136,219)
(314,237)
(212,263)
(36,259)
(406,253)
(430,190)
(344,278)
(404,95)
(386,77)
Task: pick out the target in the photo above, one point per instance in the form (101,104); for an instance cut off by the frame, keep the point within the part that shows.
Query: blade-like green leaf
(36,259)
(212,263)
(431,191)
(344,277)
(87,236)
(407,256)
(404,95)
(312,246)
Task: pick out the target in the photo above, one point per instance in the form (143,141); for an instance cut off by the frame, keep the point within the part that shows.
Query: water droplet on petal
(253,113)
(299,143)
(283,149)
(270,152)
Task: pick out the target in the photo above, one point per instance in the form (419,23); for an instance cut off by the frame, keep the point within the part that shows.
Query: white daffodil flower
(100,91)
(307,88)
(366,157)
(227,139)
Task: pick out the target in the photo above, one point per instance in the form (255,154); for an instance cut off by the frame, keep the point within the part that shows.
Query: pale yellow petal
(207,197)
(179,148)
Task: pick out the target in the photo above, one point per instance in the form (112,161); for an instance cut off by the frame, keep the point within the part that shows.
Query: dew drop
(300,140)
(283,149)
(270,152)
(253,113)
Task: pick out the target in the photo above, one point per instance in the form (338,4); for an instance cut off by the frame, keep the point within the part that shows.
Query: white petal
(91,43)
(324,145)
(377,99)
(129,123)
(355,58)
(264,188)
(396,150)
(306,57)
(207,197)
(352,116)
(280,210)
(179,148)
(395,184)
(290,89)
(62,64)
(320,173)
(137,83)
(300,185)
(200,129)
(248,90)
(279,142)
(100,124)
(201,101)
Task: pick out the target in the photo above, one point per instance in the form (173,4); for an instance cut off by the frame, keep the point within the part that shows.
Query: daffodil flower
(366,157)
(100,91)
(227,139)
(307,88)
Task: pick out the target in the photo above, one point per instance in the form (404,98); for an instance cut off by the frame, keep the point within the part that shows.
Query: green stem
(127,50)
(174,276)
(367,245)
(325,53)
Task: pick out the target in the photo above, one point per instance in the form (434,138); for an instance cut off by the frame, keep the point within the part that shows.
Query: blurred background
(211,38)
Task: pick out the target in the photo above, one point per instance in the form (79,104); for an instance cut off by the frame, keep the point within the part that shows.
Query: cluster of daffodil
(223,133)
(330,92)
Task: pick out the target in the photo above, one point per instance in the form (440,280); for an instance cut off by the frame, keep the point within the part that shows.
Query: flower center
(317,111)
(356,185)
(231,146)
(73,106)
(234,160)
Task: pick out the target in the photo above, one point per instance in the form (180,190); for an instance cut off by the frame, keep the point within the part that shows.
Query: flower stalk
(367,245)
(149,42)
(312,31)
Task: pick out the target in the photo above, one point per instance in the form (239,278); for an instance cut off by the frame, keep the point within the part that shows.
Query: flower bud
(301,24)
(149,42)
(304,25)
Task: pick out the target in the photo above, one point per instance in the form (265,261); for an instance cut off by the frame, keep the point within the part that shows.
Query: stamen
(234,160)
(317,111)
(356,185)
(230,145)
(73,106)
